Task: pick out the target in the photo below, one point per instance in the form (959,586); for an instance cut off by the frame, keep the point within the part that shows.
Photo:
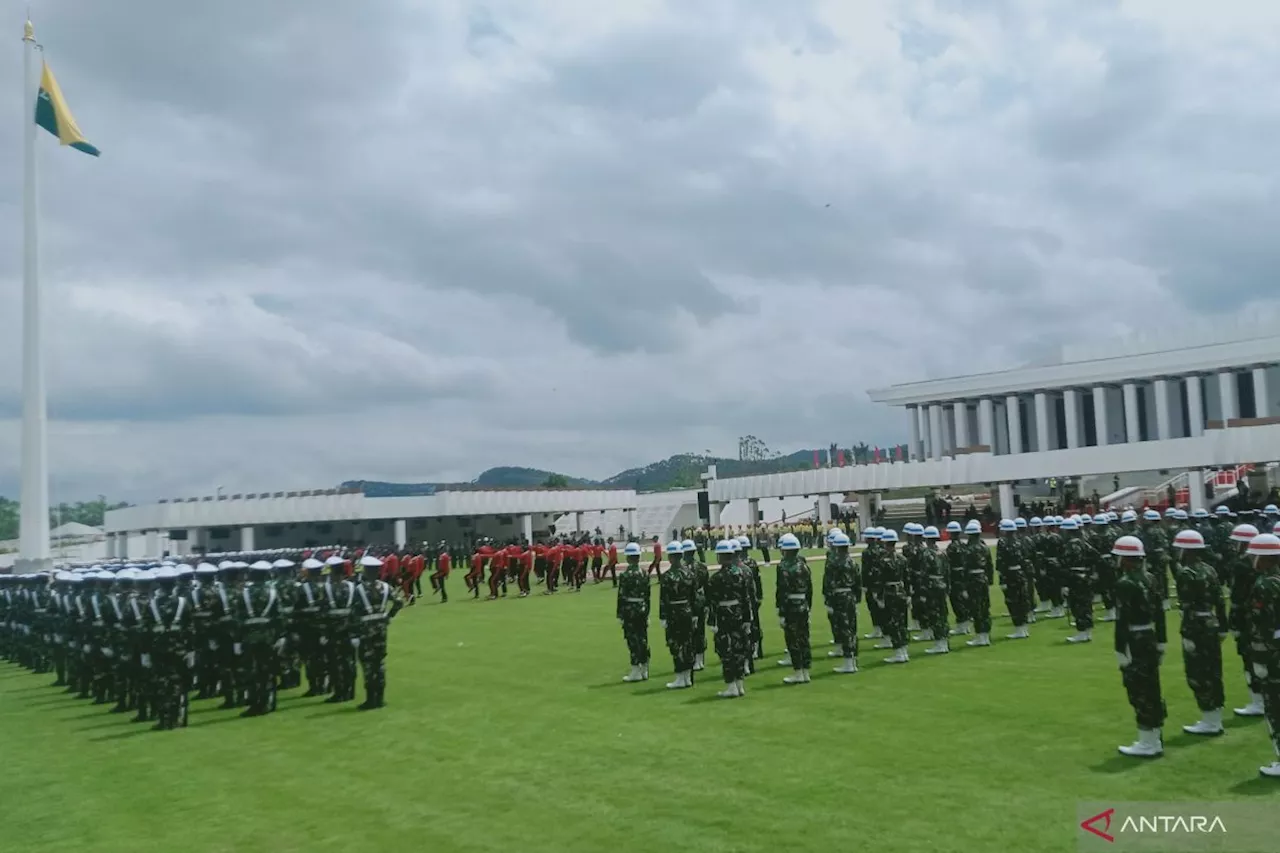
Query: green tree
(555,481)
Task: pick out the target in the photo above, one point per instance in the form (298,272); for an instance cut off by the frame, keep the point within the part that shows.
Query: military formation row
(145,638)
(1069,560)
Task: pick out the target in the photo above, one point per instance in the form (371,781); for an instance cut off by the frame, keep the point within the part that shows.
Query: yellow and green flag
(52,114)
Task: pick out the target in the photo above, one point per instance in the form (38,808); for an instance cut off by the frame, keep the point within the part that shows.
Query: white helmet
(788,542)
(974,526)
(1129,546)
(632,549)
(1188,539)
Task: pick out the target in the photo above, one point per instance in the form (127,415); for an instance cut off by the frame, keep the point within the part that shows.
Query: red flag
(840,458)
(815,459)
(899,452)
(877,458)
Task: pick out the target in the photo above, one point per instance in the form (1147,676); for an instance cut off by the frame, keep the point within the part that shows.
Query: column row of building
(1068,418)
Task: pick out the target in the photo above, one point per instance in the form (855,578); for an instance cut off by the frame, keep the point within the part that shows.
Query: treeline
(91,513)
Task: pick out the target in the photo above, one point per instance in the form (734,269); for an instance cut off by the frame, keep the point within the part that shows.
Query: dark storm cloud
(335,240)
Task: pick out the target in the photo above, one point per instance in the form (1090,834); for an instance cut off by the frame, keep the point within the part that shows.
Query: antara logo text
(1100,824)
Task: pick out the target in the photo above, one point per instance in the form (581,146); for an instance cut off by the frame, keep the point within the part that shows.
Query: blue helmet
(788,542)
(1151,515)
(954,527)
(931,532)
(1020,522)
(1008,525)
(1069,524)
(889,535)
(911,528)
(872,533)
(632,549)
(724,546)
(974,526)
(1035,521)
(839,539)
(688,546)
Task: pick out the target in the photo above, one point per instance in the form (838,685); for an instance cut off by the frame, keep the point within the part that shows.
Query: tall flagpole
(34,534)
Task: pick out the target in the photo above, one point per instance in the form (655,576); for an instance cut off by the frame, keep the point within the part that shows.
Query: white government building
(1194,401)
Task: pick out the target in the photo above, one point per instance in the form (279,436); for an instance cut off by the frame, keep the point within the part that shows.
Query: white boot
(1109,615)
(1082,637)
(698,664)
(644,672)
(924,636)
(731,690)
(633,675)
(960,628)
(1056,613)
(1254,708)
(1031,618)
(875,634)
(1167,604)
(835,653)
(682,680)
(796,677)
(1148,745)
(980,640)
(805,673)
(1042,607)
(740,687)
(1210,724)
(786,661)
(899,656)
(850,665)
(941,647)
(914,626)
(1272,770)
(1019,633)
(884,643)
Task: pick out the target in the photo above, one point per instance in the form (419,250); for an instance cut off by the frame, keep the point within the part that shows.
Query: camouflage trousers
(700,629)
(934,617)
(895,617)
(1202,659)
(168,684)
(635,630)
(1049,582)
(1244,648)
(1080,599)
(959,598)
(681,626)
(373,663)
(1017,596)
(262,669)
(979,602)
(1158,569)
(844,622)
(796,633)
(1106,583)
(875,606)
(341,663)
(1270,690)
(1141,680)
(733,645)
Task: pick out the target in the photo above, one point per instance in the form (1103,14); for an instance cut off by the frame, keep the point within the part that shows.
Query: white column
(1071,406)
(577,522)
(246,539)
(753,512)
(824,510)
(987,423)
(1014,415)
(526,526)
(922,415)
(1163,415)
(1227,393)
(194,535)
(961,412)
(1132,435)
(111,546)
(1100,414)
(402,533)
(914,451)
(1006,500)
(1261,403)
(864,511)
(715,514)
(1195,406)
(153,544)
(935,431)
(1042,422)
(1195,489)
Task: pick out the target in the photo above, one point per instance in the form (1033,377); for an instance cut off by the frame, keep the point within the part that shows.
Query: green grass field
(509,729)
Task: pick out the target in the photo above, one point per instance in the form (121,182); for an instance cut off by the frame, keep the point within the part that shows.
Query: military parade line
(1049,567)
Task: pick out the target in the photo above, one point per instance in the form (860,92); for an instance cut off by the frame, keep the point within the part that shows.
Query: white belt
(340,612)
(1011,568)
(1138,628)
(260,620)
(797,596)
(842,589)
(373,617)
(682,601)
(731,603)
(634,600)
(977,571)
(1202,613)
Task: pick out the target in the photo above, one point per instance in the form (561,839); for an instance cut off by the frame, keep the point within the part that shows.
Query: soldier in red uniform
(611,567)
(554,556)
(656,565)
(443,564)
(597,561)
(497,572)
(475,577)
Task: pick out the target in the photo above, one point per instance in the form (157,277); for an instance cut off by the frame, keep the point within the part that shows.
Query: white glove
(1235,634)
(324,641)
(279,646)
(146,661)
(237,648)
(1123,659)
(87,649)
(108,653)
(782,622)
(190,658)
(663,623)
(355,642)
(714,629)
(213,645)
(1188,645)
(1160,651)
(830,610)
(1260,670)
(620,622)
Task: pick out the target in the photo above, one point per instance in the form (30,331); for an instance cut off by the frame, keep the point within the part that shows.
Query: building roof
(75,530)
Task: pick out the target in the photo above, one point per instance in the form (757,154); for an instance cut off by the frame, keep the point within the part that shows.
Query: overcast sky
(409,241)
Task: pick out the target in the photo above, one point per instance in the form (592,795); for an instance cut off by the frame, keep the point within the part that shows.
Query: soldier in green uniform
(794,599)
(1264,626)
(376,604)
(258,609)
(932,586)
(227,631)
(204,599)
(831,551)
(311,627)
(1139,644)
(1102,538)
(171,654)
(1156,541)
(1218,539)
(693,561)
(980,575)
(677,596)
(1035,556)
(1239,567)
(1012,572)
(1078,560)
(910,551)
(1204,618)
(893,571)
(956,579)
(729,615)
(872,557)
(286,584)
(1052,582)
(634,600)
(754,590)
(841,592)
(339,599)
(139,623)
(1024,540)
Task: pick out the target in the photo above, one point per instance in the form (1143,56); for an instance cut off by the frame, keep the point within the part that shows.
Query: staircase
(1158,495)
